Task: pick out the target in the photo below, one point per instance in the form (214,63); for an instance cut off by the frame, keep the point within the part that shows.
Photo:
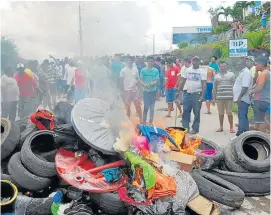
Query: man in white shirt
(187,64)
(129,87)
(10,95)
(195,80)
(70,74)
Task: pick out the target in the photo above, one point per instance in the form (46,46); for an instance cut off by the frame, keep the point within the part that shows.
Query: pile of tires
(33,168)
(243,171)
(247,163)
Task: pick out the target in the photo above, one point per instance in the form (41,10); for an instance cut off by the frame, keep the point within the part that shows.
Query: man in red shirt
(171,85)
(80,81)
(27,86)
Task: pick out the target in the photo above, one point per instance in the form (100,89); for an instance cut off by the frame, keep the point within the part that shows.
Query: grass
(250,111)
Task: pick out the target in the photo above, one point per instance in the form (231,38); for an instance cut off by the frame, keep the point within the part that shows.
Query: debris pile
(90,159)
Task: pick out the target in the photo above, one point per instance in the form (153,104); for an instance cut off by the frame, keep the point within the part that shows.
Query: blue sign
(238,48)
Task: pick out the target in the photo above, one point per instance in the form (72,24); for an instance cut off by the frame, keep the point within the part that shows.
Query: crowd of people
(187,83)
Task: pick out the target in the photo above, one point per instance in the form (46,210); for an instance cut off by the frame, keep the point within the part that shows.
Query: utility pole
(153,44)
(80,32)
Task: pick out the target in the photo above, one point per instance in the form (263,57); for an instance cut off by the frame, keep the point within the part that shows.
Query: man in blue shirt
(149,77)
(213,64)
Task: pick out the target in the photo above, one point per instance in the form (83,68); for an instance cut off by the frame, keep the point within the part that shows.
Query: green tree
(225,11)
(182,45)
(243,5)
(9,52)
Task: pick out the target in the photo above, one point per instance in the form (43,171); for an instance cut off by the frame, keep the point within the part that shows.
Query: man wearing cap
(27,86)
(241,87)
(195,77)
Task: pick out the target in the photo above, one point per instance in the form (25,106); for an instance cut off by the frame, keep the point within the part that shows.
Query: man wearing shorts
(209,88)
(261,93)
(223,94)
(171,81)
(129,86)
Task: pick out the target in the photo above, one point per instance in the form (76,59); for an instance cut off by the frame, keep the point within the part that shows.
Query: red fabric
(26,84)
(39,118)
(172,77)
(80,79)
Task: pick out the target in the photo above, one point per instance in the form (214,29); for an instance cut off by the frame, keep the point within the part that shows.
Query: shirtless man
(209,88)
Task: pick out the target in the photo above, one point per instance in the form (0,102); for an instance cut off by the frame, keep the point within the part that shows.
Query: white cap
(20,65)
(80,62)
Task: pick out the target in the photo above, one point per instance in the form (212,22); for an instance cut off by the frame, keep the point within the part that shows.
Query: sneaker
(193,132)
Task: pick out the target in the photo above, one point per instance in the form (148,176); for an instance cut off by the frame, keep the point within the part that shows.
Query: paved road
(209,125)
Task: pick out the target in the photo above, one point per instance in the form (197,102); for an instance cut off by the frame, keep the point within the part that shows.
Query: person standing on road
(116,67)
(81,81)
(157,65)
(10,94)
(44,84)
(223,95)
(149,77)
(187,64)
(171,86)
(129,81)
(209,88)
(195,77)
(27,86)
(241,87)
(213,64)
(162,78)
(261,93)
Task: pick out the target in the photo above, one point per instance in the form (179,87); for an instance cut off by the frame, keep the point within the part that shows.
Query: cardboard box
(203,206)
(185,161)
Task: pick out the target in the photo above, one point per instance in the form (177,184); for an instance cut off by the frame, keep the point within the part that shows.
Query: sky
(51,28)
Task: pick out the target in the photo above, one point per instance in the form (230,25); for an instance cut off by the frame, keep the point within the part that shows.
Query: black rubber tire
(34,206)
(62,112)
(29,130)
(245,161)
(25,178)
(248,182)
(218,189)
(109,203)
(10,136)
(49,156)
(34,164)
(230,159)
(210,161)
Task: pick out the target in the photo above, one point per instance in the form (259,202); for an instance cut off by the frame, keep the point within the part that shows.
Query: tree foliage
(9,52)
(182,45)
(221,28)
